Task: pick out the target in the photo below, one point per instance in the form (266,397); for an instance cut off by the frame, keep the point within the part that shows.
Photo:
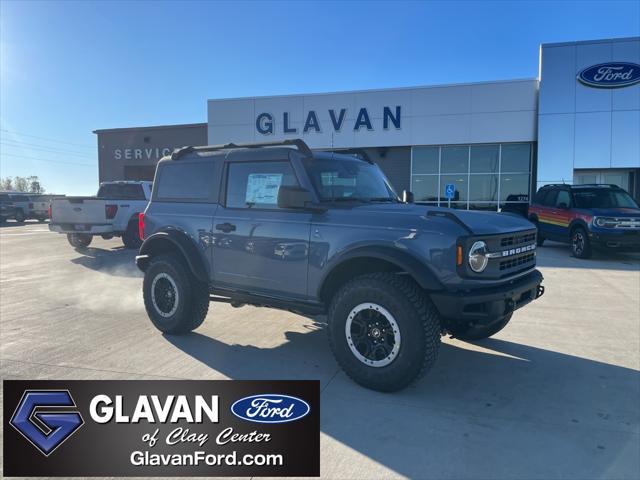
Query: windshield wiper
(344,199)
(383,199)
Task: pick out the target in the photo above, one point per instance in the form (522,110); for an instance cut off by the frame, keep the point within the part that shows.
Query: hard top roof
(253,151)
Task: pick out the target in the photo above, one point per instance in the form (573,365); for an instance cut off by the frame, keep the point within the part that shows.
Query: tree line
(22,184)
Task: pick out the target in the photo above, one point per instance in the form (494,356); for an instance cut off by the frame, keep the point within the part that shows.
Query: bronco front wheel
(384,331)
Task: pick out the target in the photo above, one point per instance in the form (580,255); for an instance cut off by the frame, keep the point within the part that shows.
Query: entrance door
(611,176)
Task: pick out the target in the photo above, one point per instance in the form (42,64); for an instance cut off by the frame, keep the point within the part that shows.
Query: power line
(47,139)
(20,143)
(47,150)
(46,160)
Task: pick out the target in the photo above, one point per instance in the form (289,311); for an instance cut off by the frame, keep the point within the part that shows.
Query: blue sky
(68,68)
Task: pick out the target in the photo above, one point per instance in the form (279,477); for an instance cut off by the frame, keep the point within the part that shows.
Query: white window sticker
(263,188)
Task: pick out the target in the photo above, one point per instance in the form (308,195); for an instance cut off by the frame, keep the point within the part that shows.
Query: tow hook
(540,291)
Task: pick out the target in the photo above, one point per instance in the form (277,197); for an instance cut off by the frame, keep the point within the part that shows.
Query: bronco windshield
(597,198)
(339,179)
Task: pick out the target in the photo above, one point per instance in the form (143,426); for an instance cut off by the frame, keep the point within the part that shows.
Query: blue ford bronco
(277,225)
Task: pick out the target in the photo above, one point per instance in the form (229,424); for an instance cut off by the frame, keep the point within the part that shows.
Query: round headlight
(478,257)
(601,222)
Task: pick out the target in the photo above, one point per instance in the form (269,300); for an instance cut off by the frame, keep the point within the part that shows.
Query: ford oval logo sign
(610,75)
(270,408)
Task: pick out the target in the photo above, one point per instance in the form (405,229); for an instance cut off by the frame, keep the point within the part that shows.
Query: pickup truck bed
(112,213)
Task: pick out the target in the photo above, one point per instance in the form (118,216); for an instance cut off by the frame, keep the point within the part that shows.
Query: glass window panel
(492,207)
(425,188)
(483,188)
(455,159)
(458,205)
(460,181)
(516,157)
(581,179)
(484,158)
(425,160)
(514,187)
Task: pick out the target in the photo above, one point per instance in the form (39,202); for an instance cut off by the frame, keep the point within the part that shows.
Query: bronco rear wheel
(175,300)
(384,331)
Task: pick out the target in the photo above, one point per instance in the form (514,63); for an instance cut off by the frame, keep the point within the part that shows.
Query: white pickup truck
(29,205)
(113,212)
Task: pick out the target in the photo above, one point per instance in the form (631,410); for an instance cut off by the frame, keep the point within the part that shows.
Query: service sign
(610,75)
(161,428)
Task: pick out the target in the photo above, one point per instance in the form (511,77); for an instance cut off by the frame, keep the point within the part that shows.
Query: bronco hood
(486,223)
(480,223)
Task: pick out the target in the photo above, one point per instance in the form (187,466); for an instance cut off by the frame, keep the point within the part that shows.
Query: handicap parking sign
(449,190)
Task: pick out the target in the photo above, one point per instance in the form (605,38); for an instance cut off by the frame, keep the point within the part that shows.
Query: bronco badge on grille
(512,251)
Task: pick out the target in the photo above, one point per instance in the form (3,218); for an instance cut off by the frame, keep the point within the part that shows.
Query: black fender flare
(177,240)
(578,222)
(407,262)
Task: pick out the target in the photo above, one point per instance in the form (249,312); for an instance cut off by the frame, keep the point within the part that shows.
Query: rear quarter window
(184,181)
(121,191)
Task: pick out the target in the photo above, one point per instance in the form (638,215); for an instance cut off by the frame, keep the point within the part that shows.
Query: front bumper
(622,240)
(90,229)
(491,302)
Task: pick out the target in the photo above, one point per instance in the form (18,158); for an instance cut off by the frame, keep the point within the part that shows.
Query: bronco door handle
(226,227)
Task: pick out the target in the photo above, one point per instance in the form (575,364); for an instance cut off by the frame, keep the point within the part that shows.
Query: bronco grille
(516,262)
(517,239)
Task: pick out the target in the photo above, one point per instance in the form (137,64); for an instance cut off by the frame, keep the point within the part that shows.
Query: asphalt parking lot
(555,395)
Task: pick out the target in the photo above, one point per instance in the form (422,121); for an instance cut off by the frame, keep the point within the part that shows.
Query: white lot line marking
(30,232)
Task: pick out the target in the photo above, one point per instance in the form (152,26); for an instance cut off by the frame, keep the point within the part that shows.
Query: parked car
(7,207)
(324,233)
(112,213)
(587,217)
(30,206)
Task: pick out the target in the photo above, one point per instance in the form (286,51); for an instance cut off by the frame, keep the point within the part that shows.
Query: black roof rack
(296,142)
(580,185)
(609,185)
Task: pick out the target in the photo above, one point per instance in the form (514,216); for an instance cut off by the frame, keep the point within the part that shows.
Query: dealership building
(496,142)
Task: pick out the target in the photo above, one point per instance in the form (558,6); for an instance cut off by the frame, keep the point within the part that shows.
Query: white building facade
(496,142)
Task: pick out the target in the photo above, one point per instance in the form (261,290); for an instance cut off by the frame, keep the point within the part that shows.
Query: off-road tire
(580,244)
(539,237)
(475,332)
(417,319)
(131,238)
(192,295)
(79,240)
(20,218)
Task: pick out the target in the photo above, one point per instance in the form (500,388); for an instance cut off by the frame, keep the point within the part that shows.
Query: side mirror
(563,206)
(294,197)
(407,196)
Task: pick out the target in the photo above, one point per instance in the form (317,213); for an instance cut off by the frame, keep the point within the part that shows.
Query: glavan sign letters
(610,75)
(391,118)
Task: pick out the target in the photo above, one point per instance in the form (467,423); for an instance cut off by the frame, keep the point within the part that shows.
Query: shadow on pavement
(11,224)
(507,411)
(117,261)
